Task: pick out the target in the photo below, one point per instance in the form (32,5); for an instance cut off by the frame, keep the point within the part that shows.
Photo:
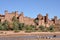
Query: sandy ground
(24,33)
(11,35)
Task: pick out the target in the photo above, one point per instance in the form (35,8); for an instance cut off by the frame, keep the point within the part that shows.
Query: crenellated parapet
(39,16)
(55,19)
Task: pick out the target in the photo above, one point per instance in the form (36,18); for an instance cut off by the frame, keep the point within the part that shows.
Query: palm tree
(5,25)
(15,23)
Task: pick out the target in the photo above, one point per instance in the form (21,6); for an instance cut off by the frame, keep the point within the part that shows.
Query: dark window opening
(36,23)
(0,20)
(45,18)
(17,17)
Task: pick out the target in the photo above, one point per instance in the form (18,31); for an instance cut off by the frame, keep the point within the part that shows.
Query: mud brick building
(41,20)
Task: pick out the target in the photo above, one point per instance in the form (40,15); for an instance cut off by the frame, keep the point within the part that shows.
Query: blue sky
(32,8)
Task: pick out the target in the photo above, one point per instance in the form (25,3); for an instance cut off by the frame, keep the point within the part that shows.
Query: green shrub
(51,28)
(21,26)
(28,31)
(16,31)
(42,28)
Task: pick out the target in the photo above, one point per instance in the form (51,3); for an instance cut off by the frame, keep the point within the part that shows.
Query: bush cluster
(17,26)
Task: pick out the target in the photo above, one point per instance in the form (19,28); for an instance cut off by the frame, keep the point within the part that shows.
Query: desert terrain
(10,35)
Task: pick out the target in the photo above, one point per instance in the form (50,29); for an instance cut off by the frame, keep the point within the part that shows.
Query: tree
(15,26)
(30,28)
(51,28)
(21,26)
(5,25)
(42,28)
(33,28)
(15,23)
(1,26)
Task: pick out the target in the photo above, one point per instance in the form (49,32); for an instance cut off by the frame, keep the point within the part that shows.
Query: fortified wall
(39,20)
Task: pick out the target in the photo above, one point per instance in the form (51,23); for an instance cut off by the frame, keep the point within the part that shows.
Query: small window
(0,20)
(37,23)
(17,17)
